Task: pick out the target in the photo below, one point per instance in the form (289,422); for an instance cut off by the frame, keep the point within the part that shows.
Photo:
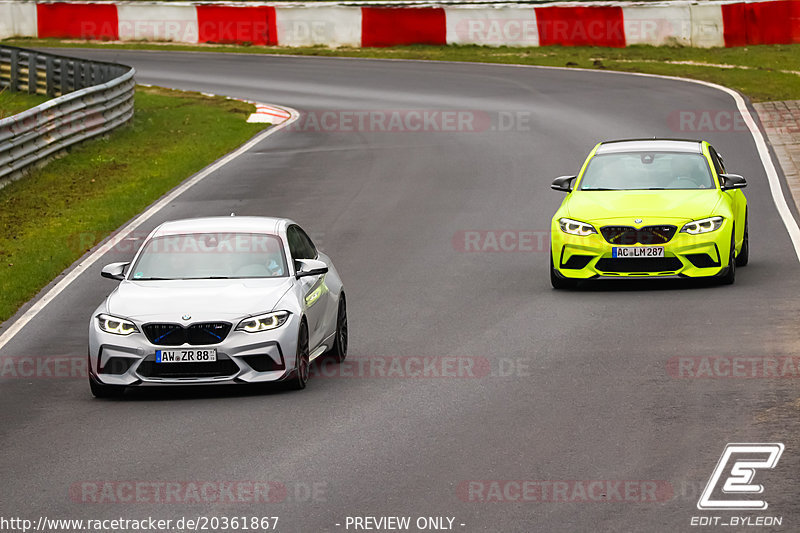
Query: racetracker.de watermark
(412,121)
(733,367)
(44,367)
(564,491)
(200,491)
(501,240)
(422,367)
(706,121)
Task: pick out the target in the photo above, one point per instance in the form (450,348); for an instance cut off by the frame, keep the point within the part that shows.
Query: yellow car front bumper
(687,255)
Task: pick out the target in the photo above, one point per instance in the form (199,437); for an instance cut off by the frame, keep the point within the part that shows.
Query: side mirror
(563,184)
(732,181)
(114,271)
(309,267)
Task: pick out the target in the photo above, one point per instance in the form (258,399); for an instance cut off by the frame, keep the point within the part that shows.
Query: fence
(90,98)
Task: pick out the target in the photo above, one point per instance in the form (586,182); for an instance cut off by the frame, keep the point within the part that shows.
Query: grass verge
(54,215)
(12,103)
(763,73)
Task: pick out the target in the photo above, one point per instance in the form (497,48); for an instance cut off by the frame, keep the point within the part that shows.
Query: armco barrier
(95,97)
(697,23)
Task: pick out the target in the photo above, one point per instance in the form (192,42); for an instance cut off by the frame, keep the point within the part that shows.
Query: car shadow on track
(643,284)
(204,392)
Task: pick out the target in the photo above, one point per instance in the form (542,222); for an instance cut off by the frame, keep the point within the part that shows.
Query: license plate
(622,252)
(186,356)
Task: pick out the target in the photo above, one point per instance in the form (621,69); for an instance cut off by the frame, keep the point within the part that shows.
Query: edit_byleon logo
(740,462)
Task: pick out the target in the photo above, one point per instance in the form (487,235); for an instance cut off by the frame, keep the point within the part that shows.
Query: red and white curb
(268,114)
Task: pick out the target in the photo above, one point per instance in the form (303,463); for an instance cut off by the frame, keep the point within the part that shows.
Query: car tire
(744,255)
(302,366)
(338,352)
(101,390)
(730,274)
(559,282)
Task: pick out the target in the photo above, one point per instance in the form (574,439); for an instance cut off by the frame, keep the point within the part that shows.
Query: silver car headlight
(573,227)
(704,225)
(254,324)
(116,325)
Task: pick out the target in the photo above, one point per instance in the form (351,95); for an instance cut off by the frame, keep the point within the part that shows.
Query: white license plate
(623,252)
(186,356)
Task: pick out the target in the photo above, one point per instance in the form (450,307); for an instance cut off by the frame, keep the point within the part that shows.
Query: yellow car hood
(590,206)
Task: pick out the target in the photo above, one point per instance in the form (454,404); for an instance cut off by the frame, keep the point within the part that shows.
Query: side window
(300,245)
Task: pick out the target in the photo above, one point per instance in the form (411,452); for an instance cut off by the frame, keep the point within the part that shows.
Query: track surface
(595,400)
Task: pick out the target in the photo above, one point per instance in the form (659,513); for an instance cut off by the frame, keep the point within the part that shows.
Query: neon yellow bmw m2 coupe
(649,208)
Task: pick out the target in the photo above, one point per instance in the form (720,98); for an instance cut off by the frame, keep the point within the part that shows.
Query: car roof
(231,224)
(650,145)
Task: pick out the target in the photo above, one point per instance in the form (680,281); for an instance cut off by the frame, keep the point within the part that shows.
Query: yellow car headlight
(705,225)
(574,227)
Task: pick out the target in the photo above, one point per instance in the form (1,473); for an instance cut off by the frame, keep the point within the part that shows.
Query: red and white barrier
(17,18)
(393,26)
(65,20)
(492,26)
(658,25)
(158,22)
(709,24)
(311,26)
(236,24)
(707,28)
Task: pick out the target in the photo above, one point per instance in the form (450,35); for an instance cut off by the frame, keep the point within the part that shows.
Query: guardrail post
(50,75)
(67,76)
(14,76)
(32,73)
(87,74)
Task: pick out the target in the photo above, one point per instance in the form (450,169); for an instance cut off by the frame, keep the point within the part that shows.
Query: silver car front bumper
(241,358)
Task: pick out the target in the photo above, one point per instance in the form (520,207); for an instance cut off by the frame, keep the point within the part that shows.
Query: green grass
(757,74)
(51,217)
(12,103)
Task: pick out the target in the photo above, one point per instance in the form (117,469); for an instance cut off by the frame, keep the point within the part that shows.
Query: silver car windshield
(210,256)
(647,171)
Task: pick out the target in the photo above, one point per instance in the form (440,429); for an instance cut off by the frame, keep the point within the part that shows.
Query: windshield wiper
(212,277)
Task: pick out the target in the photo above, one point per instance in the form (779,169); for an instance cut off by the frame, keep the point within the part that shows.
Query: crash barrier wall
(90,98)
(685,23)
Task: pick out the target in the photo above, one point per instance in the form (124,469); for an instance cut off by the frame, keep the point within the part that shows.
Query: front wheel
(302,366)
(744,254)
(559,282)
(339,350)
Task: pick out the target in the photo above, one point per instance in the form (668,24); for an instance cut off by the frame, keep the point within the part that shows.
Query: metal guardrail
(91,98)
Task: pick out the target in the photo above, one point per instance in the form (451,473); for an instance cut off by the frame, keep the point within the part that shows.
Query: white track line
(84,265)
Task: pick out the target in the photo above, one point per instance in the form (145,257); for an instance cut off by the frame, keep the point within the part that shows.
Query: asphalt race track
(579,385)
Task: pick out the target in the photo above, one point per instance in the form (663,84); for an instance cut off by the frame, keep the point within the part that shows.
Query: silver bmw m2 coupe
(218,300)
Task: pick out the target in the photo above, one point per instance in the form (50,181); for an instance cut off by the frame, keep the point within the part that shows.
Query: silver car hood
(202,300)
